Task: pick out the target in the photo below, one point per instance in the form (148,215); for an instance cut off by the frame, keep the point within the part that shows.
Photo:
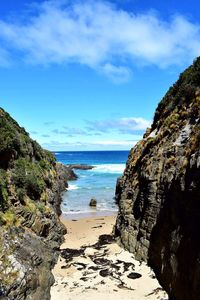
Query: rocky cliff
(159,192)
(31,183)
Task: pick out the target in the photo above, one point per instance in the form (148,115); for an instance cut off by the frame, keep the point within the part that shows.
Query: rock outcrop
(81,166)
(159,192)
(31,183)
(93,202)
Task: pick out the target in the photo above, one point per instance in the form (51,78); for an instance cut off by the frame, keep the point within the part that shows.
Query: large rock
(159,192)
(81,166)
(93,202)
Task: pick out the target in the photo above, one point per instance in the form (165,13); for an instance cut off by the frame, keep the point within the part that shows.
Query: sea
(98,183)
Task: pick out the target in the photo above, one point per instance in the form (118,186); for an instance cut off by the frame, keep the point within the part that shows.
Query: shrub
(41,207)
(49,157)
(28,178)
(9,218)
(21,193)
(34,185)
(3,190)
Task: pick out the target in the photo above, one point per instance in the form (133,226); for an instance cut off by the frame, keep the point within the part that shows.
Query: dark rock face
(31,260)
(159,192)
(80,167)
(93,202)
(31,183)
(65,174)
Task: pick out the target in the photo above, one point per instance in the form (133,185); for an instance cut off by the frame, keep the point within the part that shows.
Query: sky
(88,75)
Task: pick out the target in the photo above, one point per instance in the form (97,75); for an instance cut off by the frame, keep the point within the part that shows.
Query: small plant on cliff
(3,190)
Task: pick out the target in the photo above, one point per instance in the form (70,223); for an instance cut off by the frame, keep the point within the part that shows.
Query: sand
(100,271)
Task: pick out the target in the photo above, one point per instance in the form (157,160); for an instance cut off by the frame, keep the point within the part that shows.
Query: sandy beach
(91,267)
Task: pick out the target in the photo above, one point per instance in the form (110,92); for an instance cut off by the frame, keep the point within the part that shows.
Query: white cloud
(116,74)
(45,135)
(69,131)
(123,132)
(123,125)
(96,145)
(49,123)
(73,131)
(97,34)
(114,143)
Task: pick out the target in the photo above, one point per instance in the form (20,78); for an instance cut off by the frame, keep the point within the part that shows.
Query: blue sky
(88,75)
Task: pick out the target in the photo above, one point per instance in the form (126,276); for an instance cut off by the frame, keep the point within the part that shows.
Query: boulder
(93,202)
(80,166)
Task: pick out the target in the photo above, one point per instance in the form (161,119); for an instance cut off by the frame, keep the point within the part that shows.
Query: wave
(72,187)
(84,211)
(109,168)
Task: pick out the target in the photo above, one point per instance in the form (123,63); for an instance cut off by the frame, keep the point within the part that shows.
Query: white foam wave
(72,187)
(109,168)
(83,211)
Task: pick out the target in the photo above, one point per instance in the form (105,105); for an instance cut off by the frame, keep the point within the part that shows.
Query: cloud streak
(110,134)
(49,123)
(99,35)
(70,131)
(130,125)
(123,125)
(99,144)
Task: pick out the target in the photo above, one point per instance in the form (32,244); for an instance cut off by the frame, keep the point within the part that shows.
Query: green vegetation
(180,95)
(3,190)
(9,218)
(15,143)
(28,178)
(41,207)
(26,173)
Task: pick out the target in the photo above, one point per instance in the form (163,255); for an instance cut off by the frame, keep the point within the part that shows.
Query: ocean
(98,183)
